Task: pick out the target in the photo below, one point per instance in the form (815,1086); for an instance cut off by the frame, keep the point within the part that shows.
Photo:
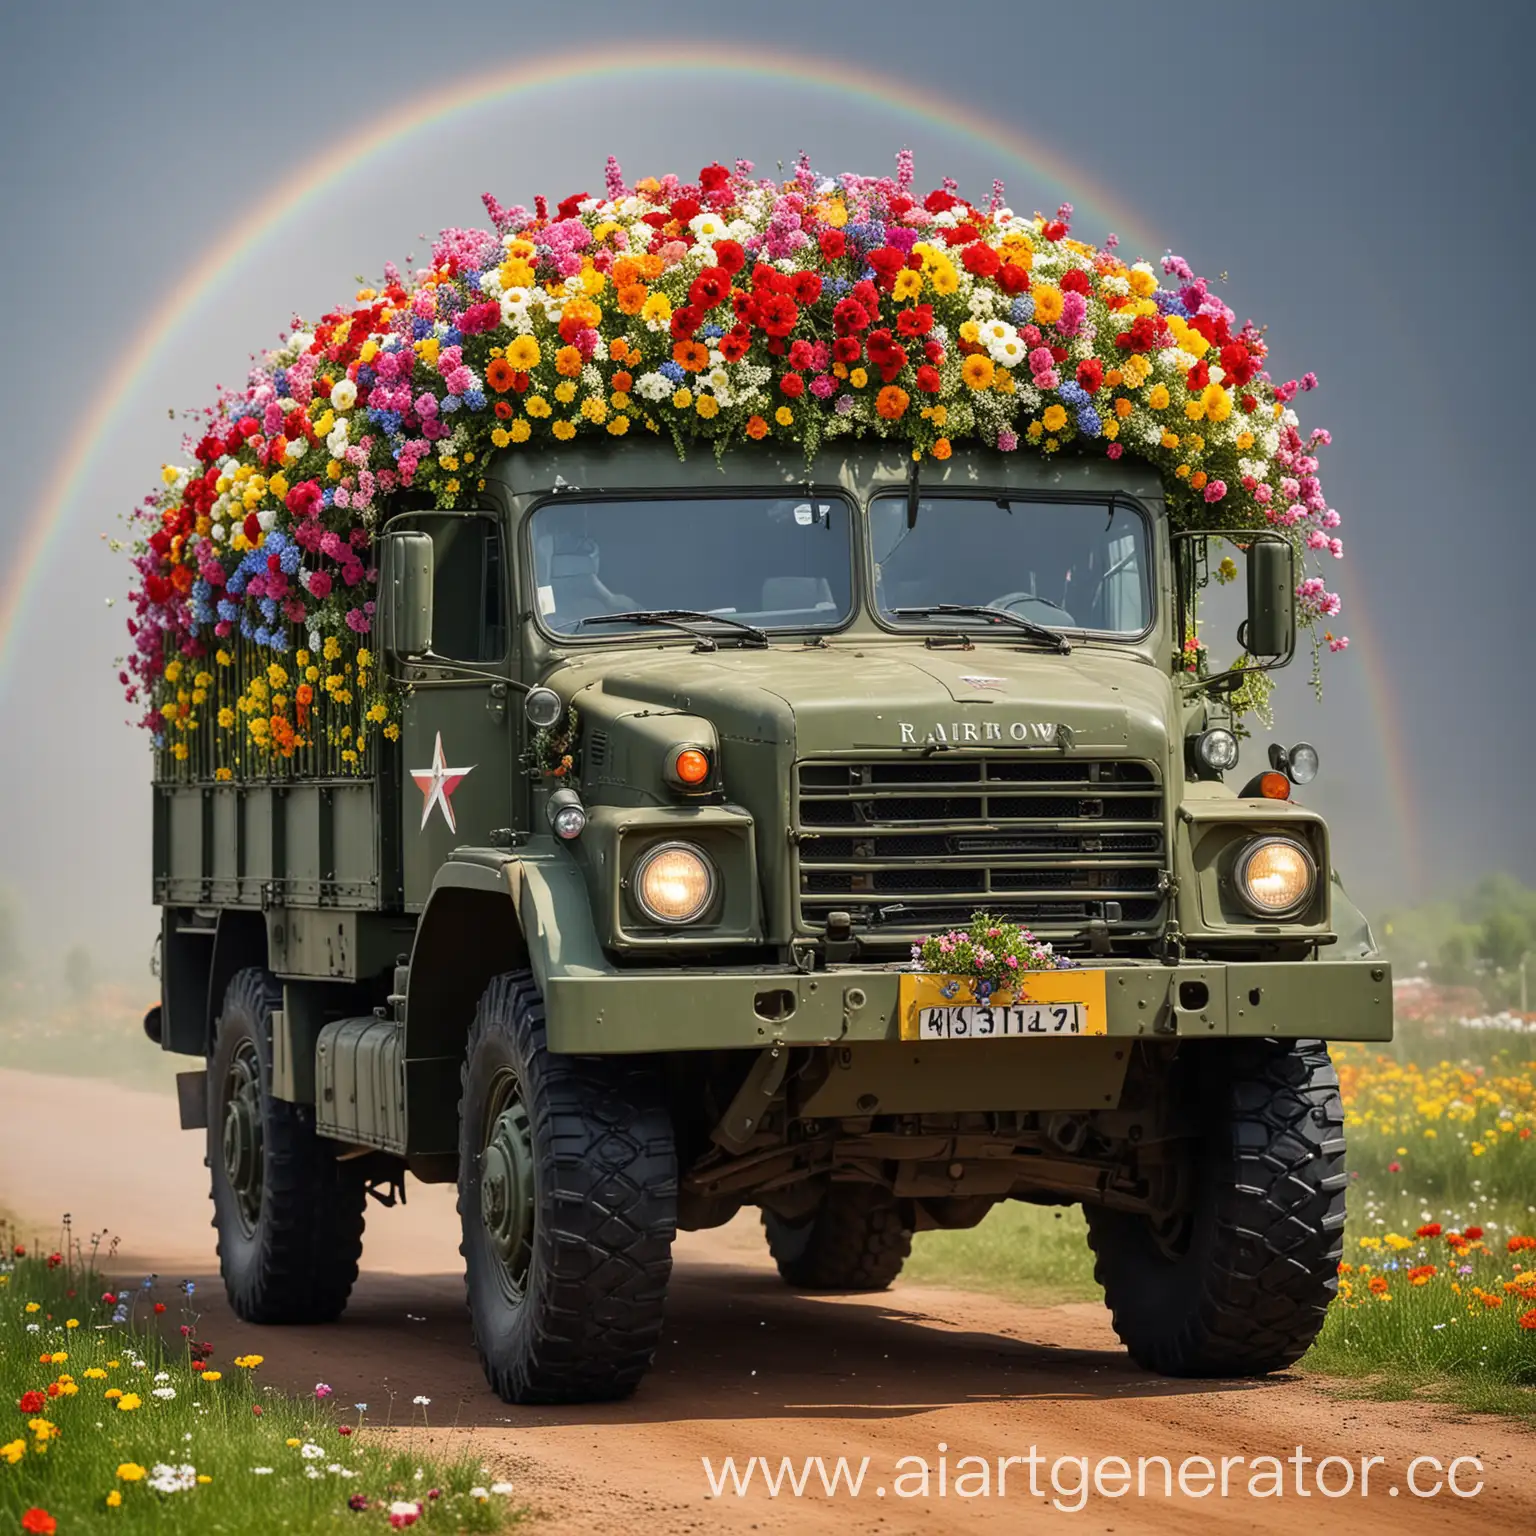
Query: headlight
(1275,877)
(1216,750)
(674,883)
(1304,762)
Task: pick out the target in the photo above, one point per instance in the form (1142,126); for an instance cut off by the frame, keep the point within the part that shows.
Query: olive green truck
(617,932)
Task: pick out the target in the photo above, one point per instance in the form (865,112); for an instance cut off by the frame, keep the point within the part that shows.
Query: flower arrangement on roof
(725,311)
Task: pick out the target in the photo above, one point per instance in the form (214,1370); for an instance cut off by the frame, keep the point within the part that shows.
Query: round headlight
(1275,877)
(543,708)
(1216,750)
(1304,763)
(674,883)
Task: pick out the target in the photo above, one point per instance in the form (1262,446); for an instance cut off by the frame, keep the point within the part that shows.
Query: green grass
(123,1403)
(1032,1253)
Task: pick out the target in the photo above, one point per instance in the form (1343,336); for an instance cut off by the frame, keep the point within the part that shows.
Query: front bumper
(696,1010)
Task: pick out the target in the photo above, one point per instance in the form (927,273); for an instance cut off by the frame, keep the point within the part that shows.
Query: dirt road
(750,1370)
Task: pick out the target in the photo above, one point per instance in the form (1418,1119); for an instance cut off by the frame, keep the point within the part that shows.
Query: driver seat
(574,583)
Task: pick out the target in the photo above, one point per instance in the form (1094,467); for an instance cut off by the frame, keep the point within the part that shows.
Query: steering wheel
(1011,601)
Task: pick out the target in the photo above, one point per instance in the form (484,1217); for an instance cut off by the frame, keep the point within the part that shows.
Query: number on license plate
(977,1021)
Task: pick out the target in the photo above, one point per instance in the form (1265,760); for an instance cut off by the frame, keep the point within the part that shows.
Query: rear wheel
(857,1240)
(288,1215)
(1238,1284)
(568,1204)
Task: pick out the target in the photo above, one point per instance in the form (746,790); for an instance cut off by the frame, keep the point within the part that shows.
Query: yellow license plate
(1063,1004)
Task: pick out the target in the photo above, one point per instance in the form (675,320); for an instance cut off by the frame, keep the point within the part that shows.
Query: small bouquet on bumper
(992,954)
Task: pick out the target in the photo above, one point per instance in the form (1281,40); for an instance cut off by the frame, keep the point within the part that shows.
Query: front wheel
(1238,1284)
(568,1205)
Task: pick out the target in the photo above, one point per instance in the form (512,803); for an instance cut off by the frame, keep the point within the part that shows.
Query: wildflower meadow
(105,1423)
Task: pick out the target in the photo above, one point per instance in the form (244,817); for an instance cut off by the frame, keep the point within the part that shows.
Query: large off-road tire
(1240,1286)
(288,1215)
(568,1203)
(857,1240)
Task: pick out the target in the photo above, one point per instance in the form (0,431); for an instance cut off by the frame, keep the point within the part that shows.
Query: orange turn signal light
(1274,786)
(692,766)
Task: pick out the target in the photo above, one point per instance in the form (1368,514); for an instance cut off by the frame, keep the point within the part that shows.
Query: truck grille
(906,847)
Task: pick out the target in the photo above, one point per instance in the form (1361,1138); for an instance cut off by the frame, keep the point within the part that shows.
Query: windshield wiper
(672,618)
(991,616)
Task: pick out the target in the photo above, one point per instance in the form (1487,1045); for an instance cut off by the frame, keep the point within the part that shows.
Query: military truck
(618,934)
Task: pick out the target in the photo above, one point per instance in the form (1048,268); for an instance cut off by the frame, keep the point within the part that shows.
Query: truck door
(456,726)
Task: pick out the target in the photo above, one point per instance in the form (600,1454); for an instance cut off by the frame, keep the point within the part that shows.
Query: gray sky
(1361,171)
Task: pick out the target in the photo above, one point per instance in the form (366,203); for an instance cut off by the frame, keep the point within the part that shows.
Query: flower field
(104,1427)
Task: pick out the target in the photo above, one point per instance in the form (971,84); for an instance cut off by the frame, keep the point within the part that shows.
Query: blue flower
(1023,310)
(290,558)
(1072,393)
(421,328)
(452,336)
(1088,421)
(268,606)
(450,404)
(672,371)
(1170,303)
(364,374)
(280,381)
(279,640)
(475,399)
(388,422)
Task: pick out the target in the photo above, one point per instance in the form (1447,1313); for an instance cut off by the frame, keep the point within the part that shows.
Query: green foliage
(1034,1253)
(1476,938)
(227,1454)
(993,950)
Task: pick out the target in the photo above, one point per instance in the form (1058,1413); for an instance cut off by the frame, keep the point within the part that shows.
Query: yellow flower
(656,310)
(1195,409)
(520,431)
(565,430)
(331,649)
(1217,402)
(1054,418)
(707,407)
(682,398)
(131,1472)
(377,713)
(538,407)
(1135,370)
(58,1357)
(33,1306)
(595,410)
(784,416)
(500,437)
(618,426)
(565,391)
(392,731)
(211,1376)
(523,353)
(943,276)
(114,1499)
(13,1451)
(249,1362)
(1170,440)
(294,1442)
(1048,303)
(908,284)
(94,1373)
(203,1477)
(977,371)
(1158,399)
(858,378)
(127,1403)
(112,1394)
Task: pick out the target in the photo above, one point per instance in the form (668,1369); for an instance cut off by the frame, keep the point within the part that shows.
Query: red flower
(1429,1229)
(733,346)
(343,1429)
(199,1365)
(1472,1234)
(1249,404)
(767,279)
(567,206)
(686,208)
(1058,354)
(777,314)
(1055,230)
(1238,363)
(981,259)
(1394,1167)
(933,351)
(729,256)
(833,243)
(32,1402)
(38,1522)
(256,1409)
(1198,377)
(917,321)
(108,1299)
(685,322)
(939,201)
(1141,336)
(848,315)
(1528,1320)
(928,379)
(54,1260)
(961,234)
(807,288)
(887,262)
(711,287)
(801,354)
(1014,278)
(713,177)
(1090,375)
(1076,281)
(1519,1244)
(792,385)
(847,349)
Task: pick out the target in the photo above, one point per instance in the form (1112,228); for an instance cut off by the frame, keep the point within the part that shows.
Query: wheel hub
(506,1195)
(242,1140)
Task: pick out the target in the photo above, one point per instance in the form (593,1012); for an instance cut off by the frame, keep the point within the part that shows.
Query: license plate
(1047,1003)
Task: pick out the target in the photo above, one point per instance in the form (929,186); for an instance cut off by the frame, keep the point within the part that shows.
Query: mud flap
(192,1099)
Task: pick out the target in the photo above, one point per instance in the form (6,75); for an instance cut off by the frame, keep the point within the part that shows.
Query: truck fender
(489,911)
(1356,941)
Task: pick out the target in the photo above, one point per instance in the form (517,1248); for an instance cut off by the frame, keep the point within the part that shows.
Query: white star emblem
(437,783)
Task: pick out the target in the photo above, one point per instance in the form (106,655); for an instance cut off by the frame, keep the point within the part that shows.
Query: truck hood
(882,697)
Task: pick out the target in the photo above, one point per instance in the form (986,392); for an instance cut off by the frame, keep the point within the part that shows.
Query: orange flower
(891,403)
(692,355)
(1378,1285)
(568,362)
(1528,1320)
(623,381)
(38,1522)
(618,350)
(499,375)
(626,270)
(941,449)
(632,297)
(1422,1274)
(756,427)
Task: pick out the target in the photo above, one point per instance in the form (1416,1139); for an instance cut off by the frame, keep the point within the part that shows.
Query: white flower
(515,304)
(344,394)
(313,1473)
(266,518)
(420,1401)
(169,1479)
(479,1495)
(310,1451)
(591,378)
(165,1393)
(405,1507)
(261,1471)
(336,439)
(653,386)
(162,1375)
(707,227)
(501,1488)
(490,283)
(295,450)
(34,1328)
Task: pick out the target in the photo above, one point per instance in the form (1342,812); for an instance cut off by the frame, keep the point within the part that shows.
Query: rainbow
(319,175)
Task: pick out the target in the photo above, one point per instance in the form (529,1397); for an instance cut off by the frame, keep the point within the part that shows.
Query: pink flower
(1115,450)
(1215,490)
(322,1390)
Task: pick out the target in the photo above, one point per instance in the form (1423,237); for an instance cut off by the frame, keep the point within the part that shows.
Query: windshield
(1067,565)
(777,562)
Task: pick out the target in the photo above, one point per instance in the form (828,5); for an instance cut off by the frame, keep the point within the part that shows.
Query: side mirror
(1270,629)
(405,593)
